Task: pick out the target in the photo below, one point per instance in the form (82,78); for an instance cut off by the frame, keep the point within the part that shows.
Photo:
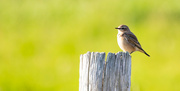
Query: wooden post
(96,74)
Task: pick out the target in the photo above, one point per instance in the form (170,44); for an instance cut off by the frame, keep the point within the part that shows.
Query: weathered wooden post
(96,74)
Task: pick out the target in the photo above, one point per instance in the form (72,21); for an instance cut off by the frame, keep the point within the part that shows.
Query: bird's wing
(131,38)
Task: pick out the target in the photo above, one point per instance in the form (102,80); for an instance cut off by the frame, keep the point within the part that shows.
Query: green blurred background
(41,41)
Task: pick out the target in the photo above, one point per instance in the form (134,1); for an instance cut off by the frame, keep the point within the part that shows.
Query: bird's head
(123,28)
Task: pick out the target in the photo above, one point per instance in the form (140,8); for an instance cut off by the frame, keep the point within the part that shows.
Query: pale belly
(124,45)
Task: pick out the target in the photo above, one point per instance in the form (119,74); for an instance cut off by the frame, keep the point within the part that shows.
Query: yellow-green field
(41,41)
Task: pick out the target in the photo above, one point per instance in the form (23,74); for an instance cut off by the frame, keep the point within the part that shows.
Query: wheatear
(127,41)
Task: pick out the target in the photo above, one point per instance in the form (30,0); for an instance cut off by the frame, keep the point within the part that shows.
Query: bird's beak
(117,28)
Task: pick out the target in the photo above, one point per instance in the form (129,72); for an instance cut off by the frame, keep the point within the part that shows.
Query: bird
(127,41)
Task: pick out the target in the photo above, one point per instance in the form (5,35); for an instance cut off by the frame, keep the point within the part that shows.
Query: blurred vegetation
(41,41)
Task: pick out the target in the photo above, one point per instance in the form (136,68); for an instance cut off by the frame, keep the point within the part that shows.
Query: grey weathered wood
(96,71)
(96,74)
(84,72)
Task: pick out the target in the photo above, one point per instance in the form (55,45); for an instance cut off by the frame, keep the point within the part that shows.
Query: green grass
(41,41)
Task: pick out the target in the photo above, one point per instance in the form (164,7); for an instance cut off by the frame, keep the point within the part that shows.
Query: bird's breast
(124,44)
(121,41)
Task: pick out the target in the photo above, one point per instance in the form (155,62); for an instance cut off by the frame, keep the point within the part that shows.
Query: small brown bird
(127,41)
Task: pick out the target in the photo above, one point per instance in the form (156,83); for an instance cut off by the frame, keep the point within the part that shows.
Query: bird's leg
(131,52)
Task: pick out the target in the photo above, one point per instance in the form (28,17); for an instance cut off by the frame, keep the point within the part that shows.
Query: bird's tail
(144,52)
